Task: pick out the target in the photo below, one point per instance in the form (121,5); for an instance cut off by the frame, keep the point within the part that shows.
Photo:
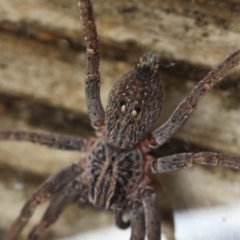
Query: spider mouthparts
(150,60)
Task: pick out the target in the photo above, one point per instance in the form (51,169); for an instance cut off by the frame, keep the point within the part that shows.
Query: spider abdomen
(112,173)
(134,103)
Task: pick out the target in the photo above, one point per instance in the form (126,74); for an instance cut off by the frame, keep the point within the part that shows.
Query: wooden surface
(42,65)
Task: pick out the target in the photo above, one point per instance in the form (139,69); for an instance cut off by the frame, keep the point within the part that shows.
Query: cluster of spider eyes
(134,112)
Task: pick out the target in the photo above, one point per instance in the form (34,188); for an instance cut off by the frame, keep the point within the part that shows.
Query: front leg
(92,82)
(188,105)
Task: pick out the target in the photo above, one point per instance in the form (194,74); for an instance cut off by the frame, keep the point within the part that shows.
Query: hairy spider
(115,173)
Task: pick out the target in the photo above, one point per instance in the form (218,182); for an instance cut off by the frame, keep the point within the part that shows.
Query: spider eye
(122,102)
(137,109)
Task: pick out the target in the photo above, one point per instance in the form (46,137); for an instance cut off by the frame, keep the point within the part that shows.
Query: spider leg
(152,214)
(137,221)
(119,221)
(45,190)
(70,193)
(92,81)
(184,160)
(188,105)
(47,139)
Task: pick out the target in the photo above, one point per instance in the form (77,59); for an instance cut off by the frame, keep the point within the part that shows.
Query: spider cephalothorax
(115,173)
(134,103)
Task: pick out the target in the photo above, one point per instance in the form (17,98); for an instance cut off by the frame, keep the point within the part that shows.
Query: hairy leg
(184,160)
(92,83)
(47,139)
(119,220)
(137,221)
(44,192)
(152,214)
(188,105)
(69,194)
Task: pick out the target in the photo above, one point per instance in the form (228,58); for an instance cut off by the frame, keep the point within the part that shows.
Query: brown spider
(115,173)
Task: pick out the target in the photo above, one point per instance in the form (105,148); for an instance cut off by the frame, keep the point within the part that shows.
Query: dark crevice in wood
(180,70)
(42,115)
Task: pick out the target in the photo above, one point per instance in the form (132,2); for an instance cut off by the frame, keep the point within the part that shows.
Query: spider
(115,173)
